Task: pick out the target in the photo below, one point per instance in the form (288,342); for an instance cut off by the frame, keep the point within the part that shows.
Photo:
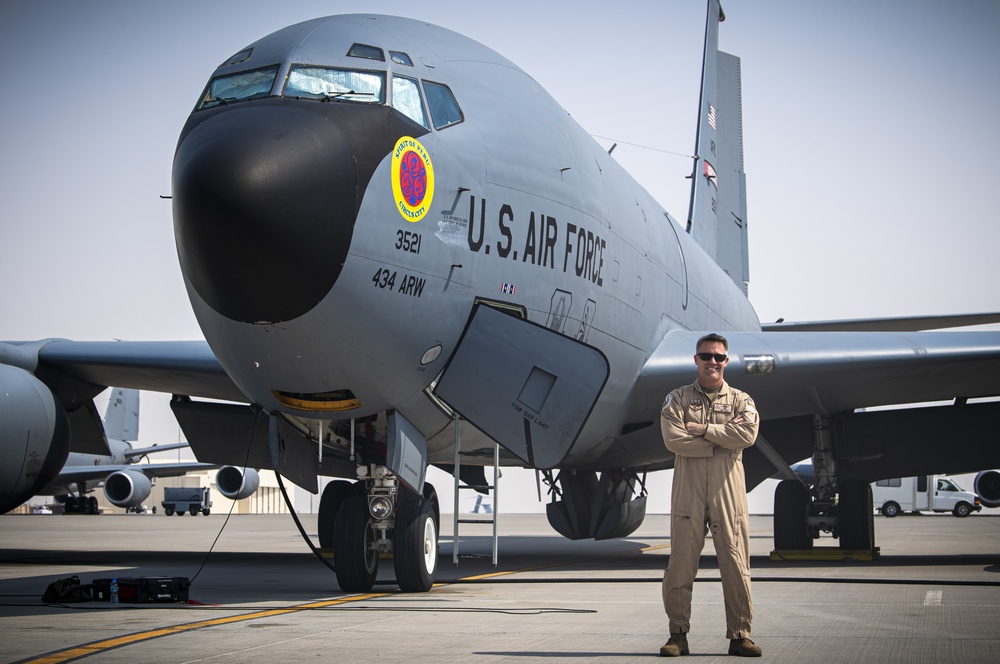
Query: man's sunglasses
(705,357)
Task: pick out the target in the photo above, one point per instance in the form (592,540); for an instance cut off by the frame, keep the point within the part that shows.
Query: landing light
(380,507)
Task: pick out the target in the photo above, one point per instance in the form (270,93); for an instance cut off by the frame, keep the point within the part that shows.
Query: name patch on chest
(722,408)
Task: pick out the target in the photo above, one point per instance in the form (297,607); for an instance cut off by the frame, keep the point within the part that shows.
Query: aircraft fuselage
(334,243)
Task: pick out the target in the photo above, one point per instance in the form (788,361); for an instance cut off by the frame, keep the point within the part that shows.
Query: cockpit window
(242,56)
(406,99)
(366,51)
(336,84)
(445,110)
(401,58)
(239,87)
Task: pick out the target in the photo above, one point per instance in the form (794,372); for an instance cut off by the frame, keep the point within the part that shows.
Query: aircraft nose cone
(265,197)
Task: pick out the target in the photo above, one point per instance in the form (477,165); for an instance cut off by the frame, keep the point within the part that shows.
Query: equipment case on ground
(143,590)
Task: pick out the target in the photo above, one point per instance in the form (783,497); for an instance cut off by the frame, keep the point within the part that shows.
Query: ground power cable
(232,506)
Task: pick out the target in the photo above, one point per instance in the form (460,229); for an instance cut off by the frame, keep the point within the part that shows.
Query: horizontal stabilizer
(140,452)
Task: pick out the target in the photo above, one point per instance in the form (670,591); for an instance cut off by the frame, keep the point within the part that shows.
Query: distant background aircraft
(126,482)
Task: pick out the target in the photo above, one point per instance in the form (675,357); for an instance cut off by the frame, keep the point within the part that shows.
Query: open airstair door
(525,386)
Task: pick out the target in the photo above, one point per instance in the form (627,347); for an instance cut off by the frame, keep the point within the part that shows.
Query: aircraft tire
(353,536)
(168,512)
(890,509)
(856,516)
(180,512)
(334,495)
(791,511)
(431,496)
(95,508)
(415,545)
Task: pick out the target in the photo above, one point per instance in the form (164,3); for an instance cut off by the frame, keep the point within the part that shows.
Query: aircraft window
(400,58)
(337,84)
(239,87)
(444,108)
(406,99)
(366,51)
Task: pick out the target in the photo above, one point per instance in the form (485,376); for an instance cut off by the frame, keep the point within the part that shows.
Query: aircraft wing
(806,373)
(174,367)
(897,324)
(794,376)
(74,474)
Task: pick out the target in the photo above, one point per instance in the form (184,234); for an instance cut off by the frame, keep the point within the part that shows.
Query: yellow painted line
(88,649)
(78,652)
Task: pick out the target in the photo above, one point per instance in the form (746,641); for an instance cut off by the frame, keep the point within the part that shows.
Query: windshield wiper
(340,95)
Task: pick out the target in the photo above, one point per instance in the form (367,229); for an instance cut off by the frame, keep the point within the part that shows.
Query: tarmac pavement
(258,593)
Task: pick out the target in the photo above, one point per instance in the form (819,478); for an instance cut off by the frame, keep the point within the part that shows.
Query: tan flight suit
(709,491)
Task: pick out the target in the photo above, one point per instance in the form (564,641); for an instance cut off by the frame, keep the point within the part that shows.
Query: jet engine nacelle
(236,483)
(987,487)
(34,436)
(127,488)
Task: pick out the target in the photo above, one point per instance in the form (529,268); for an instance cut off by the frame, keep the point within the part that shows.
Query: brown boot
(676,646)
(743,648)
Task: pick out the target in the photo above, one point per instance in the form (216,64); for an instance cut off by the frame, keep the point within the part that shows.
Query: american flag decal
(508,289)
(711,115)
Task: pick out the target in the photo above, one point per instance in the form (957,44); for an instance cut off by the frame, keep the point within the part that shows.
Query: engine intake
(127,488)
(237,483)
(987,487)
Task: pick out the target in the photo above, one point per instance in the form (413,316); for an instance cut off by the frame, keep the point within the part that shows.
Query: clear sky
(869,128)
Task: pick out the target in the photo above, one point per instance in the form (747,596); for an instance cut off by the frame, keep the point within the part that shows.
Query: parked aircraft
(126,482)
(398,245)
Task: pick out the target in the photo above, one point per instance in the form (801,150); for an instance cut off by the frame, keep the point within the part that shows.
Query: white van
(926,492)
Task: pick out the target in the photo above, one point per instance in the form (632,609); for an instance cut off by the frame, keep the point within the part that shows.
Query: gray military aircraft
(398,246)
(126,482)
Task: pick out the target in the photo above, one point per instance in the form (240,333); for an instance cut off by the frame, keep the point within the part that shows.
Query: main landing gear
(375,516)
(798,519)
(81,504)
(843,509)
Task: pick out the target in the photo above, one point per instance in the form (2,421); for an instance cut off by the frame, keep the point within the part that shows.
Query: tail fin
(121,421)
(717,217)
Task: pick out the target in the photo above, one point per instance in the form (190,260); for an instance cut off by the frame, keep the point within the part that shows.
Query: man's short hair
(712,337)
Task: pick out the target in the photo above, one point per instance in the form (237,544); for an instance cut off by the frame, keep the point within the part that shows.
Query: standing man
(707,424)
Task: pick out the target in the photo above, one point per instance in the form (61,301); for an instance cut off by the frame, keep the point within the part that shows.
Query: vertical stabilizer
(121,421)
(717,218)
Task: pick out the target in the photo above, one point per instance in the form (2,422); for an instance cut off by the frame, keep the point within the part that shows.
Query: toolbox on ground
(144,590)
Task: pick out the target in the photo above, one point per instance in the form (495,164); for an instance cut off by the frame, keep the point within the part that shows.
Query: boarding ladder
(459,486)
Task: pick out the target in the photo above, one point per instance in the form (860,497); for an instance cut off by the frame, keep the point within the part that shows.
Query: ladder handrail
(457,486)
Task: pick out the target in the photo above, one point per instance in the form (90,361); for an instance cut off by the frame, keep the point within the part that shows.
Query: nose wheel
(415,545)
(354,552)
(357,539)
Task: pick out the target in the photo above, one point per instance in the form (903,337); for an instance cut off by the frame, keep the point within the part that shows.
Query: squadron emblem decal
(412,178)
